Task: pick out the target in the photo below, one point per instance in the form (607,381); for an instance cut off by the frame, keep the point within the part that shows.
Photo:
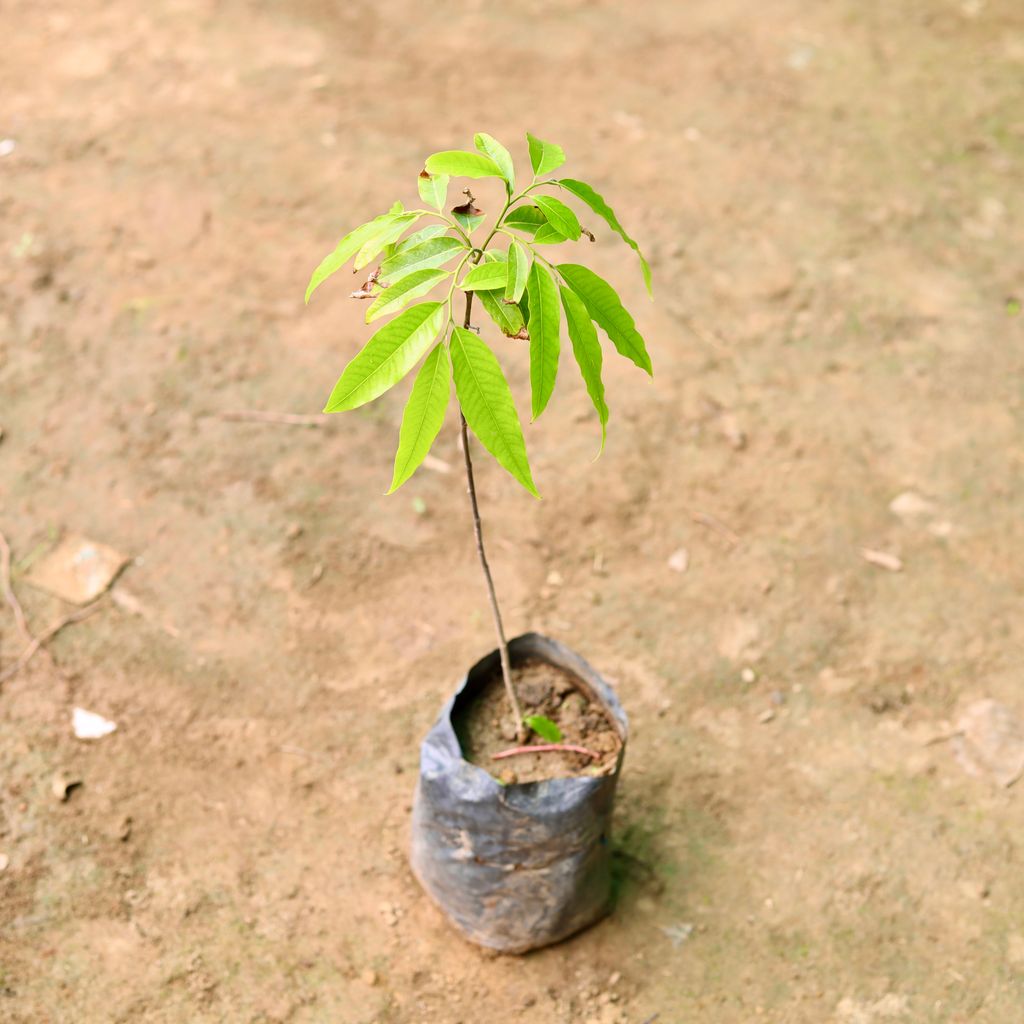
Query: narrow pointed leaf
(605,306)
(544,728)
(392,351)
(399,295)
(345,250)
(433,189)
(488,406)
(518,271)
(460,164)
(509,318)
(587,350)
(545,323)
(434,252)
(559,216)
(423,416)
(491,147)
(544,156)
(485,276)
(597,203)
(496,256)
(388,233)
(525,218)
(431,231)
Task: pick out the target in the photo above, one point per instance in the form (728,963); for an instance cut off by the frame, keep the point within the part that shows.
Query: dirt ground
(831,197)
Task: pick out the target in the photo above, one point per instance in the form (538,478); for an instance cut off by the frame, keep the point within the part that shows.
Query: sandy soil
(831,197)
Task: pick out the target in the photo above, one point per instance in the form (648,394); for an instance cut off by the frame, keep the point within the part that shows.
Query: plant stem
(506,668)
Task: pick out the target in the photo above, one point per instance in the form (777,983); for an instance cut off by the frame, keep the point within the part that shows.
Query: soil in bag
(484,726)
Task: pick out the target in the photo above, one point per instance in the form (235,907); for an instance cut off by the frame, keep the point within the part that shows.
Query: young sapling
(521,291)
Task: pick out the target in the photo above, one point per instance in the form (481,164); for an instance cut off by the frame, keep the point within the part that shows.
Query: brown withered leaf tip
(467,210)
(523,335)
(589,234)
(425,173)
(366,291)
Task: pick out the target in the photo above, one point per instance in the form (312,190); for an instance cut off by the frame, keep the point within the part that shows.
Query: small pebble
(748,675)
(766,716)
(4,862)
(507,777)
(369,977)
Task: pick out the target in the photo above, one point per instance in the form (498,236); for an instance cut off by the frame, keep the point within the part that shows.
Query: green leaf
(524,218)
(468,223)
(399,295)
(544,728)
(508,317)
(432,231)
(596,202)
(587,350)
(432,253)
(488,406)
(518,271)
(433,189)
(392,351)
(460,164)
(423,416)
(605,306)
(387,234)
(545,156)
(345,250)
(491,147)
(548,234)
(559,216)
(484,276)
(496,256)
(545,322)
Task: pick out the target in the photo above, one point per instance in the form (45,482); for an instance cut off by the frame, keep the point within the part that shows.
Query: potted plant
(517,776)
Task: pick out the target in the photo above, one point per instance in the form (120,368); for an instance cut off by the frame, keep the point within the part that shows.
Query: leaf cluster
(521,291)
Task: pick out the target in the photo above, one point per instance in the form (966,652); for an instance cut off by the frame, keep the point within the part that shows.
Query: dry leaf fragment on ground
(911,505)
(77,570)
(883,559)
(989,741)
(679,561)
(88,725)
(62,784)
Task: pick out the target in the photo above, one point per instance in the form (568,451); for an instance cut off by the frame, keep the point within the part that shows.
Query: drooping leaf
(544,728)
(525,218)
(484,276)
(545,323)
(559,216)
(460,164)
(587,350)
(488,406)
(468,216)
(392,351)
(545,156)
(434,252)
(399,295)
(518,271)
(604,306)
(548,234)
(508,317)
(345,250)
(491,147)
(387,234)
(433,189)
(423,416)
(597,203)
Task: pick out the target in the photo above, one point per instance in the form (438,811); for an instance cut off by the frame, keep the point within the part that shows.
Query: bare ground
(831,197)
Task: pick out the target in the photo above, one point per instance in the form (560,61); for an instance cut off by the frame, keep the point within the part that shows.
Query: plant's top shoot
(521,291)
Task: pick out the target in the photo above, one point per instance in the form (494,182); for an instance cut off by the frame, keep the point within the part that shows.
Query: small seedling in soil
(411,255)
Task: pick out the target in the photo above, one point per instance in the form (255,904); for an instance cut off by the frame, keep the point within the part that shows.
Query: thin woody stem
(506,668)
